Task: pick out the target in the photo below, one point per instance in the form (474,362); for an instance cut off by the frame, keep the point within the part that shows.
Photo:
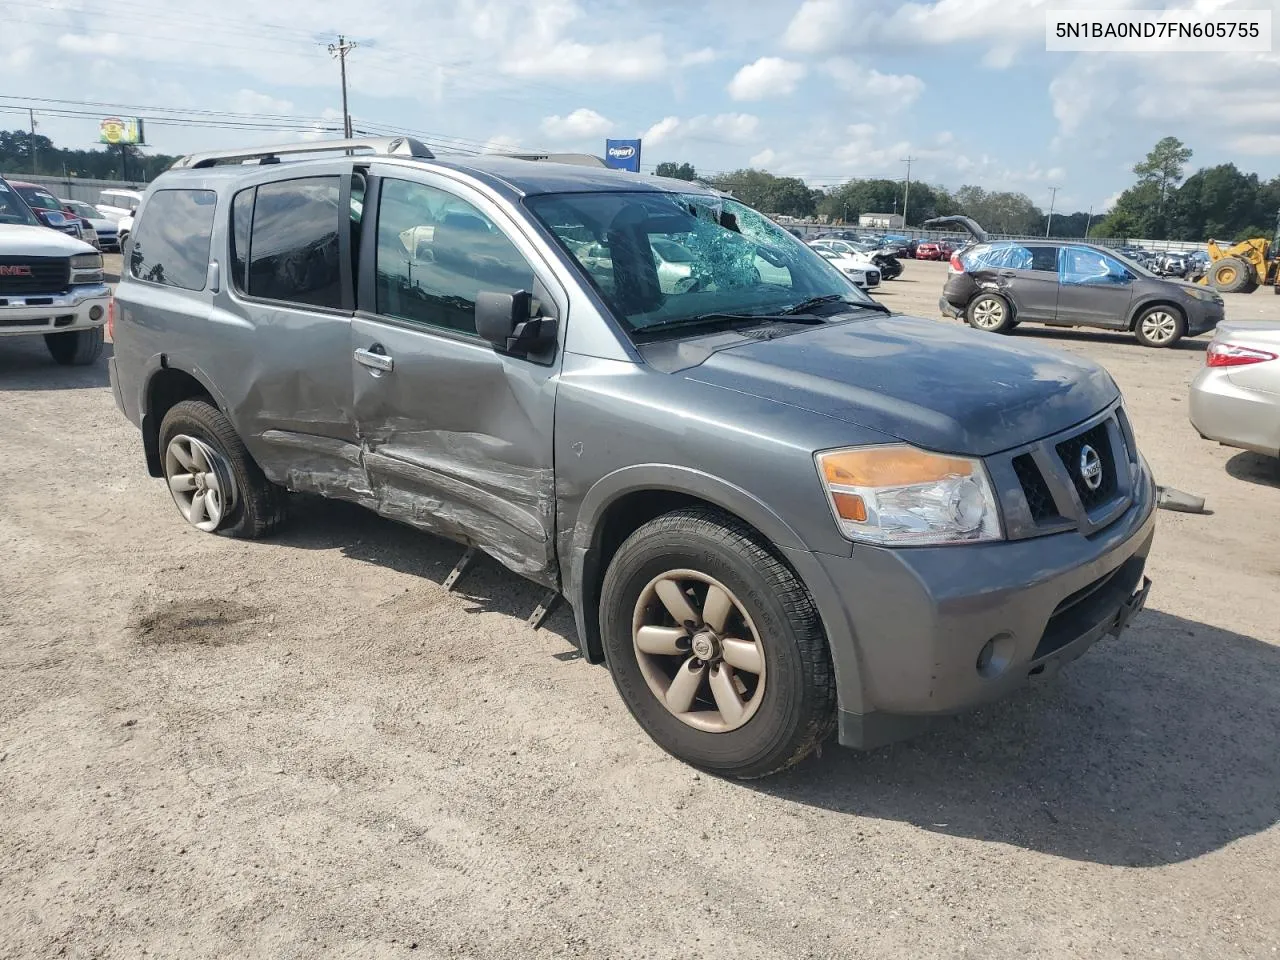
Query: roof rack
(391,146)
(576,159)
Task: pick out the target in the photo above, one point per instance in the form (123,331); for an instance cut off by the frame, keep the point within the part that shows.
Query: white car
(858,267)
(51,285)
(108,230)
(120,206)
(675,271)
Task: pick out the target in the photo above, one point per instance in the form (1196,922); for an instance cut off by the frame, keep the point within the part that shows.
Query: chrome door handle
(375,360)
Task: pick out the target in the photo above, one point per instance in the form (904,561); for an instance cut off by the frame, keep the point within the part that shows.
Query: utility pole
(1088,223)
(906,198)
(1053,198)
(35,168)
(340,50)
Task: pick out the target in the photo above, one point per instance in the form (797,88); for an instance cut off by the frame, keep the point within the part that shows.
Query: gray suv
(776,510)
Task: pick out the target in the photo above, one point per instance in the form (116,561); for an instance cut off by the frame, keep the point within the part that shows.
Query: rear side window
(241,220)
(1044,258)
(171,243)
(293,243)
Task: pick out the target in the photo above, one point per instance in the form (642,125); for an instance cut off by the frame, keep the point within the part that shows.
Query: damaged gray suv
(776,510)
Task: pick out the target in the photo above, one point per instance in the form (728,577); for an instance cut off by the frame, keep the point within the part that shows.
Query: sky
(825,90)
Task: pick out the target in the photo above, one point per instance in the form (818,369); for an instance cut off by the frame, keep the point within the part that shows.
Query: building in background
(882,221)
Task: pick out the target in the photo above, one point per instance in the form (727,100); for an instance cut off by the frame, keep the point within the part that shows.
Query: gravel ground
(305,748)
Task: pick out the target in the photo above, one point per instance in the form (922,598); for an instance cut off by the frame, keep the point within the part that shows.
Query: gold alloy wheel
(698,650)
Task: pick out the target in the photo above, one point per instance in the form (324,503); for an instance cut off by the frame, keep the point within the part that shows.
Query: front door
(457,438)
(1095,289)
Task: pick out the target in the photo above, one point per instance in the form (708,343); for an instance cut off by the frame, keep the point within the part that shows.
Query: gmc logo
(18,270)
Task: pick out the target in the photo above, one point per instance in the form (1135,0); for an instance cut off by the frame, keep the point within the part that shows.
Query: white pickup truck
(51,284)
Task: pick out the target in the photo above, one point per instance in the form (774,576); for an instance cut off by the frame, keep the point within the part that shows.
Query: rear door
(1095,289)
(457,438)
(1027,275)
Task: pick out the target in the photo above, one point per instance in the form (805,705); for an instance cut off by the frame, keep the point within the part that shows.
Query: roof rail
(392,146)
(576,159)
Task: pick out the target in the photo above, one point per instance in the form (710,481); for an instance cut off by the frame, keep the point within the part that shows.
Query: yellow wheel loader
(1243,266)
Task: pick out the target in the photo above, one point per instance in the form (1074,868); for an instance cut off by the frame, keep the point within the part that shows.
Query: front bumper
(1204,316)
(81,308)
(1234,415)
(907,627)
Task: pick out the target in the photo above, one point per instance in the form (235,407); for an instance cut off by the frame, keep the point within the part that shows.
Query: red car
(929,251)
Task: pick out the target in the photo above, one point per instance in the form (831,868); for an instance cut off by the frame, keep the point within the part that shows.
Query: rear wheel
(1230,275)
(715,647)
(215,484)
(990,312)
(75,348)
(1159,326)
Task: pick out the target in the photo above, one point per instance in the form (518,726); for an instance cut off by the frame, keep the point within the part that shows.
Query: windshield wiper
(725,320)
(807,305)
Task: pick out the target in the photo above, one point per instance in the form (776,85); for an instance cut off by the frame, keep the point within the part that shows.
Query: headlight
(898,496)
(1201,294)
(853,271)
(86,268)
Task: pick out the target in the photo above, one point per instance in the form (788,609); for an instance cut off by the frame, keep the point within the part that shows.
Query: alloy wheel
(698,650)
(1159,326)
(988,314)
(201,482)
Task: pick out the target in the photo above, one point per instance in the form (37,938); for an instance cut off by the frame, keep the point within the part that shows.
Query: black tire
(261,507)
(798,706)
(986,304)
(1238,274)
(1251,286)
(1155,338)
(75,348)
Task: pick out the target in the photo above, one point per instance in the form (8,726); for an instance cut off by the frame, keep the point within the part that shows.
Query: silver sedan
(1235,399)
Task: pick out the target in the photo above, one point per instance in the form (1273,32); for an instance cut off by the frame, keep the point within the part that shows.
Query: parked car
(51,284)
(888,265)
(857,266)
(777,511)
(107,230)
(1171,264)
(1235,399)
(998,284)
(1197,264)
(47,209)
(929,251)
(120,206)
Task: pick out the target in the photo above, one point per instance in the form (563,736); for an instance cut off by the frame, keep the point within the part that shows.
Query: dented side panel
(457,439)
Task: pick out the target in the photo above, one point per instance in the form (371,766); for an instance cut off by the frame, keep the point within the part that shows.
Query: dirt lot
(306,748)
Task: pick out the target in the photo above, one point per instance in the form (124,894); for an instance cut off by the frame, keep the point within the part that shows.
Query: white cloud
(767,77)
(250,101)
(762,160)
(501,143)
(582,124)
(698,57)
(641,59)
(1258,144)
(738,128)
(815,24)
(884,90)
(102,45)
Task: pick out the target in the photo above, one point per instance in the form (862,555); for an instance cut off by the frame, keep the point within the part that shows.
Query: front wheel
(1159,327)
(990,312)
(75,348)
(715,646)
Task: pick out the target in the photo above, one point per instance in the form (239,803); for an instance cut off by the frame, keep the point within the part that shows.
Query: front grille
(1070,451)
(43,275)
(873,277)
(1039,499)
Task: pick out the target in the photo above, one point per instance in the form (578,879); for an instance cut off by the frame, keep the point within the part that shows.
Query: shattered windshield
(662,257)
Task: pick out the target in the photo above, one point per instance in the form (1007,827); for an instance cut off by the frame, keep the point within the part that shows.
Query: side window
(1080,265)
(293,247)
(1044,259)
(171,243)
(435,253)
(241,219)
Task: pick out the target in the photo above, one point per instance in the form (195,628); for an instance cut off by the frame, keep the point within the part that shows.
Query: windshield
(83,210)
(725,257)
(1132,264)
(39,199)
(13,210)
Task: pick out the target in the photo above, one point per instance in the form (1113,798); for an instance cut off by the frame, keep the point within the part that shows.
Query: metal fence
(75,188)
(807,229)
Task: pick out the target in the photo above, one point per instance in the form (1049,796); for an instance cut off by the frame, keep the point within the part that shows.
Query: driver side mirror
(506,320)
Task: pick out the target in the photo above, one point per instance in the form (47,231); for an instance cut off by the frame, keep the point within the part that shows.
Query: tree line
(1218,202)
(105,163)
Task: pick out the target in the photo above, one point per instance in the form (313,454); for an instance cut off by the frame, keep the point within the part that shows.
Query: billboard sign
(115,131)
(623,154)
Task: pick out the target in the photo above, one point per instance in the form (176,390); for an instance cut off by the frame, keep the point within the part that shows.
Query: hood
(17,240)
(944,388)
